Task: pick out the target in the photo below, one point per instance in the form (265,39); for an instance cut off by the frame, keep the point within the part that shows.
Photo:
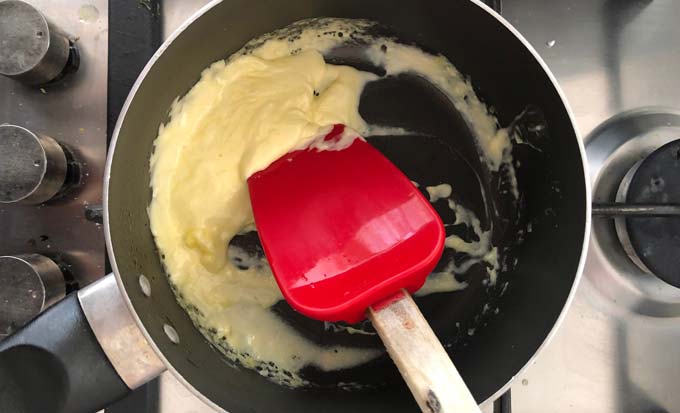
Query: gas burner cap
(653,243)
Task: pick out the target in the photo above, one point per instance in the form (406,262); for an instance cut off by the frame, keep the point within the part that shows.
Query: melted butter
(271,97)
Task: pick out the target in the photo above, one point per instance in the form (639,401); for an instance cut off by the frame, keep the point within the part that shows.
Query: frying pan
(92,348)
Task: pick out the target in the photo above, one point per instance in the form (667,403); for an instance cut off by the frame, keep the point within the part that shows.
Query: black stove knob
(32,50)
(32,166)
(28,285)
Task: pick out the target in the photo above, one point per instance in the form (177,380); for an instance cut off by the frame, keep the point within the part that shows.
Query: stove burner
(631,141)
(653,243)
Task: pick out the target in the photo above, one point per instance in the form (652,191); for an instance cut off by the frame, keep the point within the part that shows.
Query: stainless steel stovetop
(617,349)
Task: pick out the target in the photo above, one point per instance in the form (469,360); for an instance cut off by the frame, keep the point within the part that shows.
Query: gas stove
(616,350)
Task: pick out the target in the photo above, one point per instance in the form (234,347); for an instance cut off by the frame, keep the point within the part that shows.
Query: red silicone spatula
(348,236)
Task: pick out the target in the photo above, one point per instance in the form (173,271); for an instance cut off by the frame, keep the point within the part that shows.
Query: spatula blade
(343,229)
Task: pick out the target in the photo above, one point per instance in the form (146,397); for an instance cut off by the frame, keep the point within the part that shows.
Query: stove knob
(28,285)
(32,51)
(32,166)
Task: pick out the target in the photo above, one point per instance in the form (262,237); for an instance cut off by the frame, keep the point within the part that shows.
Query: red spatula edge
(354,310)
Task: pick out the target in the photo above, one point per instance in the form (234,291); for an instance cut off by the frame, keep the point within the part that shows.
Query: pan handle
(80,355)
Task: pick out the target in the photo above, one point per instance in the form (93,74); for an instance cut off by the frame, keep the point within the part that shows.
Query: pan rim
(205,9)
(107,229)
(588,199)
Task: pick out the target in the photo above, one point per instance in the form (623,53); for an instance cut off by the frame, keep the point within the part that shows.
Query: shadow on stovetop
(632,395)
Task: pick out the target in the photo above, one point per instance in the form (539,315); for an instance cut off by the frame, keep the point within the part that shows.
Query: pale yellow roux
(478,251)
(219,134)
(437,192)
(242,115)
(493,141)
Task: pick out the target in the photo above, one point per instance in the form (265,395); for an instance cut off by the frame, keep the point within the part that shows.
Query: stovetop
(609,355)
(616,350)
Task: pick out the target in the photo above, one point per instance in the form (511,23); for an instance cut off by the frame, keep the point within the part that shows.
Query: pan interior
(441,151)
(488,348)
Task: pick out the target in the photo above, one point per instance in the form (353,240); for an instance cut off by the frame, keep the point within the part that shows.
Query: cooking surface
(608,56)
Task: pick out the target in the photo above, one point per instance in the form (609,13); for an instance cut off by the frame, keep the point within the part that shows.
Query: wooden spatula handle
(427,369)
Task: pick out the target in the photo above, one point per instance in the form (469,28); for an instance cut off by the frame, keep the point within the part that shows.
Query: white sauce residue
(441,282)
(271,97)
(381,130)
(438,192)
(493,141)
(479,251)
(347,137)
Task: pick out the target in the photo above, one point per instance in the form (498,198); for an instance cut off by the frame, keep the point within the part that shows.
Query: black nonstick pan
(492,330)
